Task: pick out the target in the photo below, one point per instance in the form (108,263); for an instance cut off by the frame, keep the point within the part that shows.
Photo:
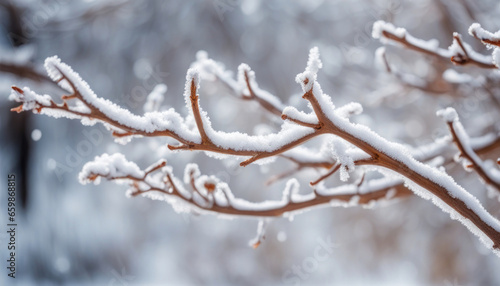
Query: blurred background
(93,235)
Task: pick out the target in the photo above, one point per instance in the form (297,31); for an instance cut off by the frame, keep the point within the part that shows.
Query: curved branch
(486,37)
(145,182)
(461,140)
(439,186)
(459,52)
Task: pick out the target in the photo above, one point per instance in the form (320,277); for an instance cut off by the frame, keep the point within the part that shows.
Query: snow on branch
(251,91)
(244,87)
(305,158)
(209,194)
(460,53)
(201,193)
(91,109)
(491,40)
(488,38)
(470,160)
(261,234)
(407,79)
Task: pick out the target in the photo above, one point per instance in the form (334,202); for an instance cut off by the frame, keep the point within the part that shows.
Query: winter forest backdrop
(87,234)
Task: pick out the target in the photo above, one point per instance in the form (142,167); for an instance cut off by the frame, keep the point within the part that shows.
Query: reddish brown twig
(247,77)
(206,143)
(328,174)
(387,191)
(379,152)
(486,37)
(252,96)
(474,162)
(458,57)
(437,86)
(24,71)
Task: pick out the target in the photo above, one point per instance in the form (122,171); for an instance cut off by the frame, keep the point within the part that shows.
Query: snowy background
(69,233)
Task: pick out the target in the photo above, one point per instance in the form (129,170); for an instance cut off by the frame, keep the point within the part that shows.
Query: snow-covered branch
(488,38)
(91,109)
(459,52)
(358,146)
(200,193)
(491,40)
(437,86)
(470,160)
(244,87)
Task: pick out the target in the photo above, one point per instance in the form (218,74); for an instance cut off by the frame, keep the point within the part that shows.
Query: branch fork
(215,196)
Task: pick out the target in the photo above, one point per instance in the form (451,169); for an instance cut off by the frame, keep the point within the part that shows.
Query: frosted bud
(449,114)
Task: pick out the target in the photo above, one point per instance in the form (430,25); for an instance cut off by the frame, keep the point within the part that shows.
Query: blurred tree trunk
(17,131)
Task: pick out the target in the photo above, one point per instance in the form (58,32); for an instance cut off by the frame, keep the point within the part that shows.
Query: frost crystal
(309,76)
(449,114)
(109,166)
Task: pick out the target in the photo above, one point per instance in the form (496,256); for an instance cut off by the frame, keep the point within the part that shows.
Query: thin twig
(468,153)
(377,155)
(459,59)
(397,190)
